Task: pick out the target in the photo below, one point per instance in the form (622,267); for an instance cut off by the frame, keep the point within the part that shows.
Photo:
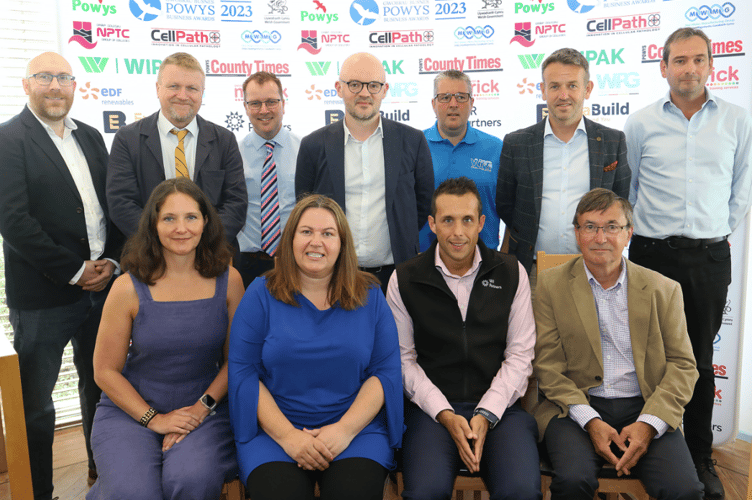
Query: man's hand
(602,435)
(479,425)
(96,275)
(638,437)
(461,433)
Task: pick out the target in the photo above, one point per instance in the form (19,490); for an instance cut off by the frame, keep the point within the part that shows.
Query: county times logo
(234,121)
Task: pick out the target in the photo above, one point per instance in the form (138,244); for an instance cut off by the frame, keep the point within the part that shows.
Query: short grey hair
(452,74)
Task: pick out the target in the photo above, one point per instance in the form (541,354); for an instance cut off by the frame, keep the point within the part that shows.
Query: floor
(71,468)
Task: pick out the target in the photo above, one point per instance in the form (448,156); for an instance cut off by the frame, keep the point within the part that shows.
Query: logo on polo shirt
(489,283)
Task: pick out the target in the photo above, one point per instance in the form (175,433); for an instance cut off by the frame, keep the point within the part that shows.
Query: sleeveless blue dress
(175,354)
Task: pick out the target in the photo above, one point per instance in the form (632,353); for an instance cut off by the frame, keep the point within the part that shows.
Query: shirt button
(79,210)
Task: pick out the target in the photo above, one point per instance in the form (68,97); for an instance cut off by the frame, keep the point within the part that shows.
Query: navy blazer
(42,218)
(519,189)
(408,177)
(136,168)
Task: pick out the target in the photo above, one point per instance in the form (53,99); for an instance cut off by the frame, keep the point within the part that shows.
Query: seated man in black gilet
(467,337)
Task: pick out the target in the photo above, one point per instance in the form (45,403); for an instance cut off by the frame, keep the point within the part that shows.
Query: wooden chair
(16,445)
(608,483)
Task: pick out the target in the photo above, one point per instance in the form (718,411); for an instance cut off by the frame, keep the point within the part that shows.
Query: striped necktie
(181,168)
(270,226)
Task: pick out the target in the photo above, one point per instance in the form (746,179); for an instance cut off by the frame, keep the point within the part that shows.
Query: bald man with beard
(378,170)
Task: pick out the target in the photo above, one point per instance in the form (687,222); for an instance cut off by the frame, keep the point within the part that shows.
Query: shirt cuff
(78,275)
(656,423)
(582,414)
(117,266)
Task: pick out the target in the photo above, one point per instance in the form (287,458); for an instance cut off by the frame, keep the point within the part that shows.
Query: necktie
(270,227)
(181,168)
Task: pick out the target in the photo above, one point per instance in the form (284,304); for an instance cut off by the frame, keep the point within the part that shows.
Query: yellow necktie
(181,169)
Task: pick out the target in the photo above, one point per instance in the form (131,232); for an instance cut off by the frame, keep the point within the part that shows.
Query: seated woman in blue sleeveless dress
(314,369)
(162,428)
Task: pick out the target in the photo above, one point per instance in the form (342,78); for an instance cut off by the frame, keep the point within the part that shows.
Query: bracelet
(150,414)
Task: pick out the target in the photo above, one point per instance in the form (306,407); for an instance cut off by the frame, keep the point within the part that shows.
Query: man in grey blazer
(378,170)
(546,168)
(614,363)
(146,152)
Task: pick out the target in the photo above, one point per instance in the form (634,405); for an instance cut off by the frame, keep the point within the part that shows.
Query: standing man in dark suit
(59,247)
(378,170)
(545,169)
(176,141)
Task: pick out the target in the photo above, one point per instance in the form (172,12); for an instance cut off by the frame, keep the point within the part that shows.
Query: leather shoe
(709,477)
(92,477)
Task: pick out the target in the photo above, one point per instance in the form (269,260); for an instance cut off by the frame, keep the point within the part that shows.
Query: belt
(375,270)
(681,242)
(257,255)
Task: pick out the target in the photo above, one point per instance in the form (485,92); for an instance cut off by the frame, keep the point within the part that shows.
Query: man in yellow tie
(173,142)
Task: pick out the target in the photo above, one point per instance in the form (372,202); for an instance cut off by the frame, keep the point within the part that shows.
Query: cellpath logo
(730,48)
(533,7)
(82,35)
(309,41)
(522,34)
(531,61)
(637,23)
(401,38)
(469,64)
(185,38)
(215,67)
(95,8)
(318,14)
(93,64)
(364,12)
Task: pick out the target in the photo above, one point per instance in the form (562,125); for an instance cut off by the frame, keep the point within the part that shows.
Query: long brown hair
(143,255)
(348,286)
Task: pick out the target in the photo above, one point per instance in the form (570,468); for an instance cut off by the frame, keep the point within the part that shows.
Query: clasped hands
(314,449)
(96,275)
(465,434)
(633,441)
(177,424)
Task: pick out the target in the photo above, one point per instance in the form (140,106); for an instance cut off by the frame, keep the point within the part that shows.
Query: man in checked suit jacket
(378,170)
(546,168)
(614,363)
(143,153)
(60,250)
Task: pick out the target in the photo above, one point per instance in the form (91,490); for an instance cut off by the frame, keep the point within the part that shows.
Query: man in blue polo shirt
(457,149)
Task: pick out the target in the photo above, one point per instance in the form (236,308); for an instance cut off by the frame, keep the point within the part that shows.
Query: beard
(52,110)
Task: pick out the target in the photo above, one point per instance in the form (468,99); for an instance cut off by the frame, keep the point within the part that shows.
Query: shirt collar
(378,131)
(68,123)
(622,275)
(709,97)
(549,131)
(443,268)
(255,141)
(164,126)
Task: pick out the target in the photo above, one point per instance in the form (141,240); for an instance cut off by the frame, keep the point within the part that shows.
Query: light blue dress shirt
(689,177)
(253,151)
(619,376)
(566,177)
(476,156)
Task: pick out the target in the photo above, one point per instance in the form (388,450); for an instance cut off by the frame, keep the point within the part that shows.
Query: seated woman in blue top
(162,429)
(315,382)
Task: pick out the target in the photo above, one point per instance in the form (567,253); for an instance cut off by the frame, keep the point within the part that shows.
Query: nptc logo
(522,34)
(309,41)
(82,35)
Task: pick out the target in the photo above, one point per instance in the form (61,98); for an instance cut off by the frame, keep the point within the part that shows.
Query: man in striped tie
(269,153)
(174,142)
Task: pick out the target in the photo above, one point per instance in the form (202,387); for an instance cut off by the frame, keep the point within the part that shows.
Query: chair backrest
(547,261)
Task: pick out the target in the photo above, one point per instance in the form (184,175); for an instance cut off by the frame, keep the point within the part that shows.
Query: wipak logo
(82,35)
(94,64)
(318,68)
(531,61)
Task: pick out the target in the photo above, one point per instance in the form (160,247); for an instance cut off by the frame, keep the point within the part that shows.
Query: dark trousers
(666,470)
(383,273)
(509,466)
(251,265)
(39,338)
(346,479)
(704,274)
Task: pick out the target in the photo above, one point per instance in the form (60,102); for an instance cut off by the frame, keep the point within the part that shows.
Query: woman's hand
(172,439)
(334,436)
(180,421)
(198,411)
(308,451)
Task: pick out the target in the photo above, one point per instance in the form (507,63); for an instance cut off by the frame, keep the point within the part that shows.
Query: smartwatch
(492,419)
(209,403)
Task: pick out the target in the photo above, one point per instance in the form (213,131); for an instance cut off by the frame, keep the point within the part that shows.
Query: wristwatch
(492,419)
(209,403)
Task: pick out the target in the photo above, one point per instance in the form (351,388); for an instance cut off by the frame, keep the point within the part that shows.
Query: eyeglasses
(270,104)
(611,229)
(355,86)
(462,97)
(46,79)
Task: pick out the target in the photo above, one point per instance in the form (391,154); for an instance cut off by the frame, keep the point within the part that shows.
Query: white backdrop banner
(116,46)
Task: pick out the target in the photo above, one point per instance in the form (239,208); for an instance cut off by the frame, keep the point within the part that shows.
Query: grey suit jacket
(519,189)
(408,176)
(568,355)
(136,168)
